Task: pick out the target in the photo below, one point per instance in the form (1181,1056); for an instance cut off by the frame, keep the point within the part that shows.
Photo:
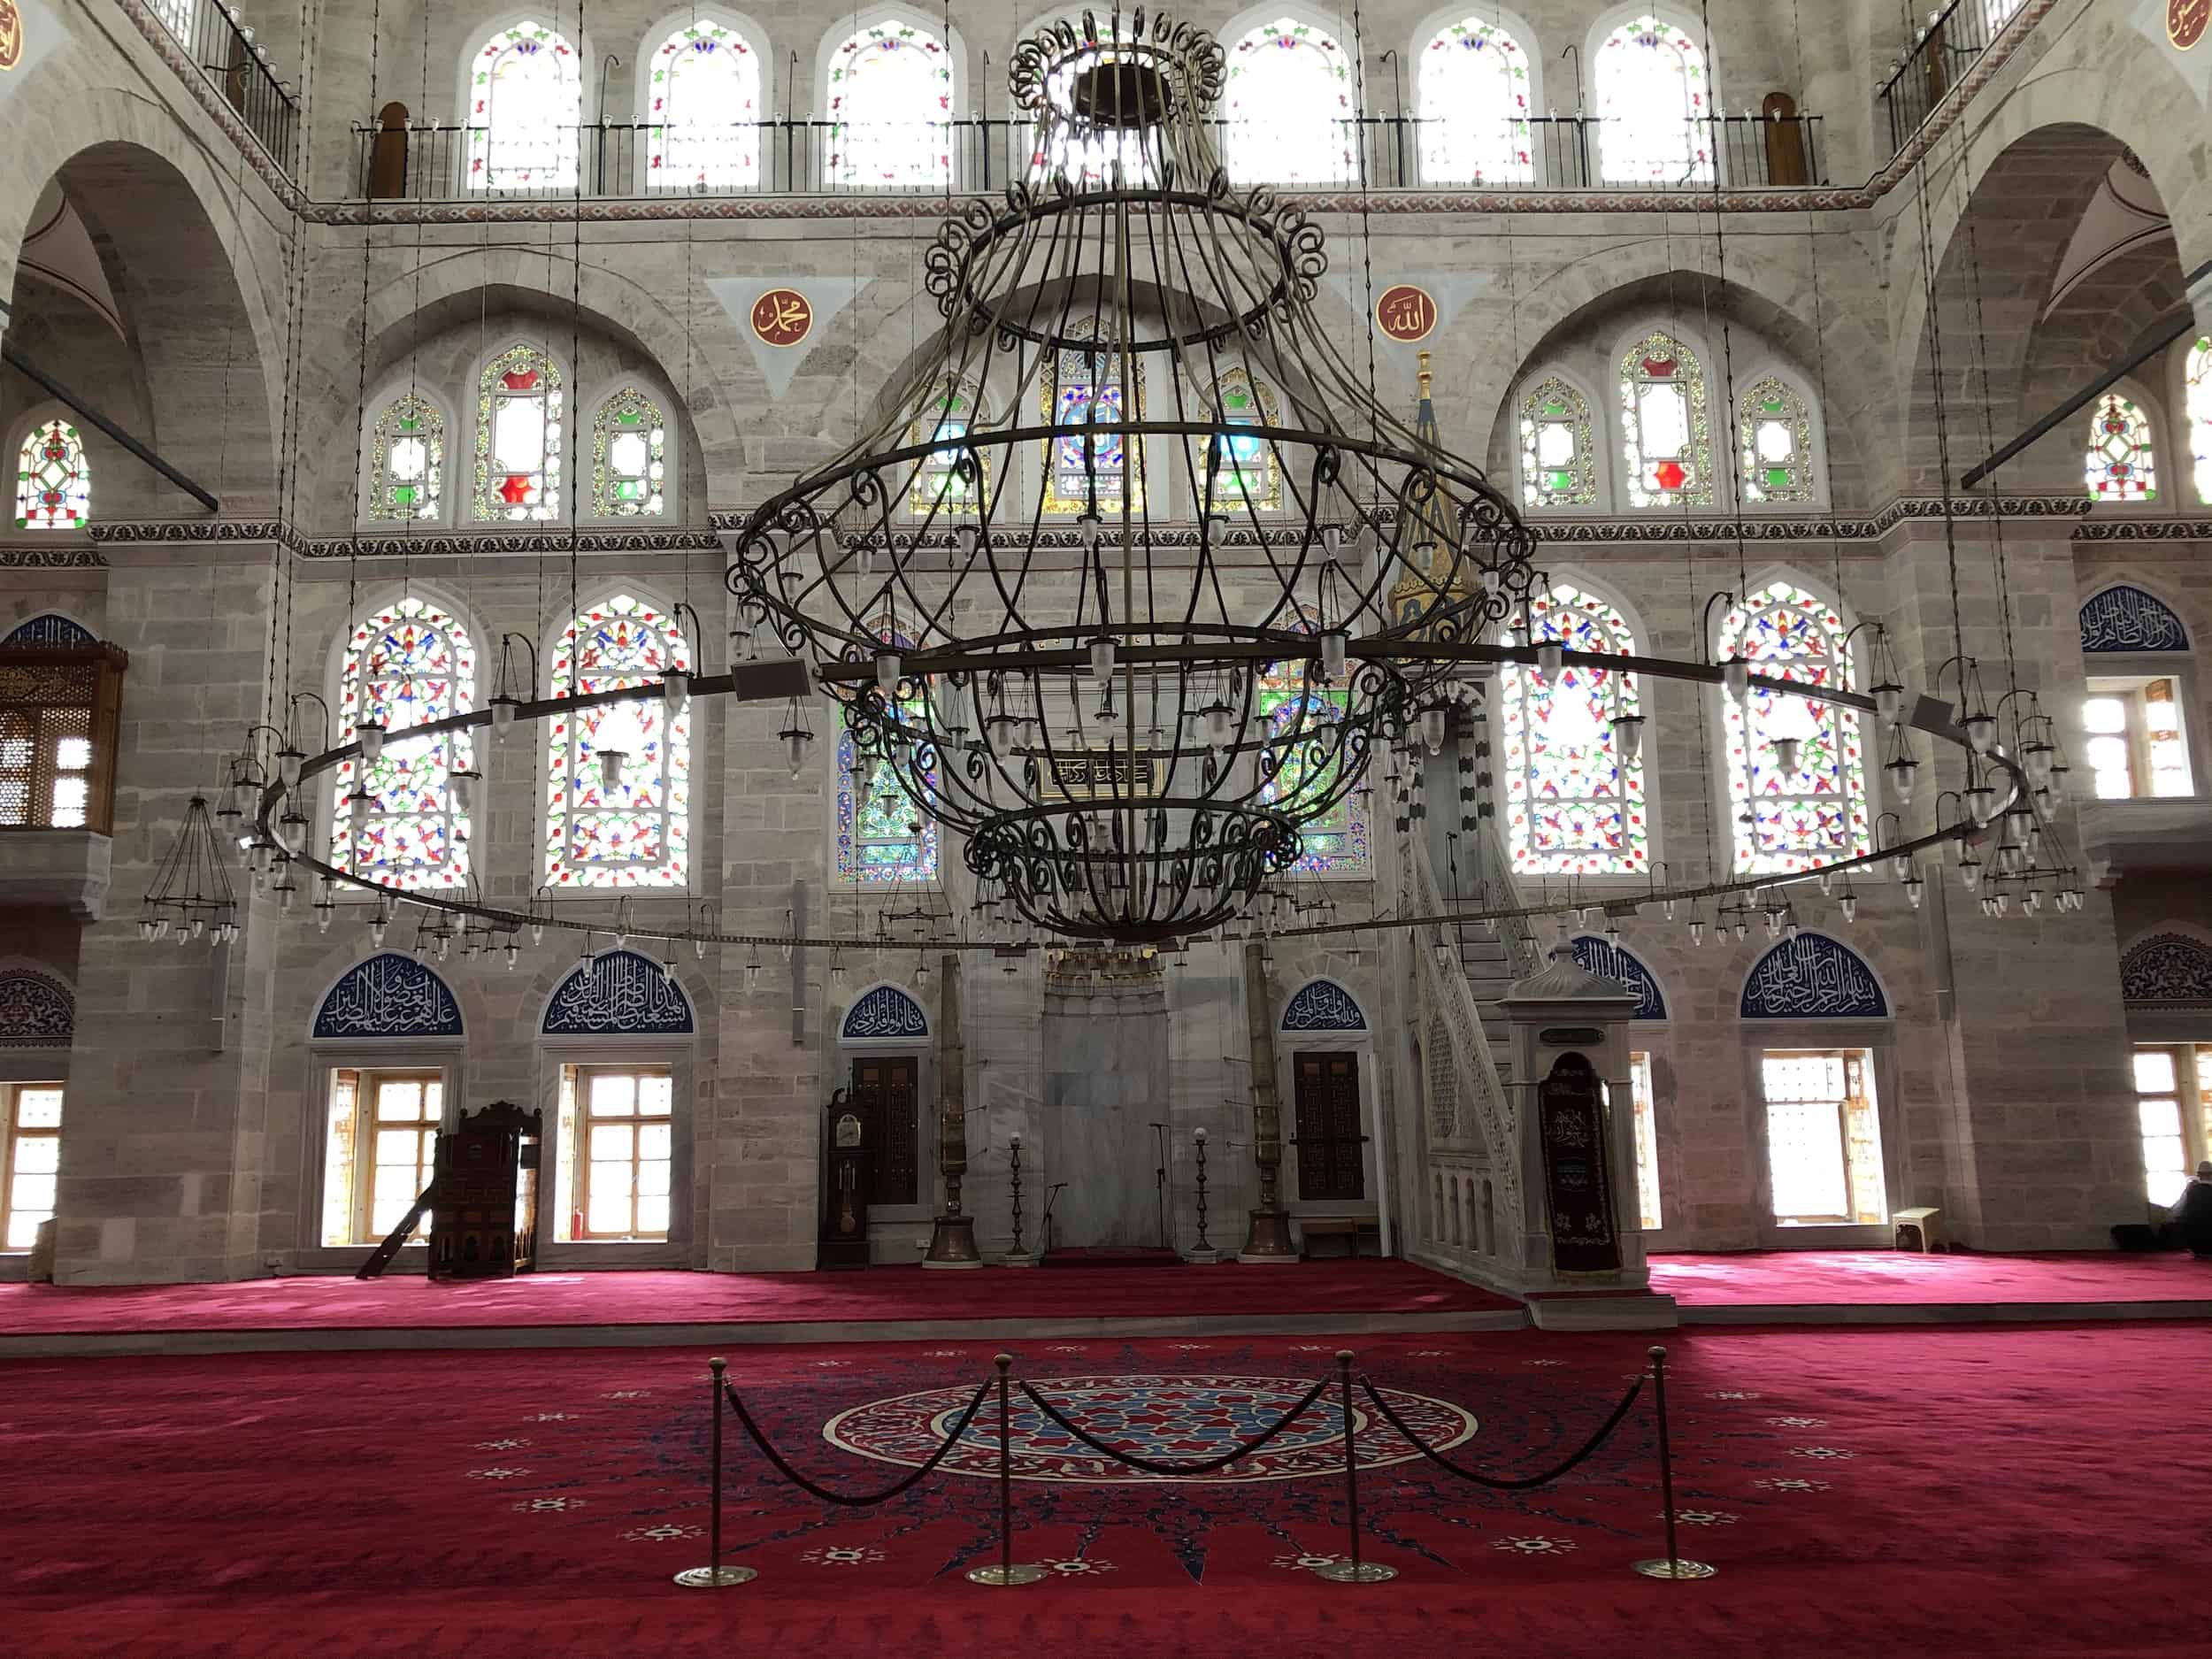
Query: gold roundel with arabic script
(1406,314)
(781,317)
(2186,22)
(11,34)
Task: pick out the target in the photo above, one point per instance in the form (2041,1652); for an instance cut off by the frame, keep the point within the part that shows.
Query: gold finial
(1425,376)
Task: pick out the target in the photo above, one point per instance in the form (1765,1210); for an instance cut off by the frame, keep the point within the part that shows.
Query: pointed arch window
(1241,470)
(1289,110)
(406,664)
(1559,461)
(2197,383)
(1653,106)
(890,110)
(625,824)
(883,838)
(1575,804)
(526,111)
(2120,465)
(1774,435)
(1302,755)
(1474,91)
(53,482)
(520,435)
(629,463)
(704,105)
(1795,772)
(1666,431)
(407,461)
(1086,472)
(950,483)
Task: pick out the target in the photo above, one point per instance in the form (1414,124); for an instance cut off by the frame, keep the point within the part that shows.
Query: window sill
(67,868)
(2152,834)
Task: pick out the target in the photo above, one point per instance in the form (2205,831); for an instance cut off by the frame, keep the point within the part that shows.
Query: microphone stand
(1044,1227)
(1159,1181)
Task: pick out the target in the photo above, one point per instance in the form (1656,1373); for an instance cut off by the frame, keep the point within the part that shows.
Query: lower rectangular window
(618,1148)
(1824,1137)
(30,1162)
(1647,1143)
(2173,1106)
(380,1150)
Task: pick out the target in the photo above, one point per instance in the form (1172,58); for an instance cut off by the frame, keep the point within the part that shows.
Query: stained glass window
(1774,431)
(1790,818)
(1289,110)
(1573,808)
(629,468)
(704,106)
(53,485)
(1559,461)
(2120,465)
(1244,470)
(1666,439)
(949,482)
(1474,107)
(635,831)
(884,840)
(1652,105)
(1083,471)
(1089,154)
(1299,718)
(890,110)
(526,111)
(520,429)
(2198,382)
(407,460)
(406,664)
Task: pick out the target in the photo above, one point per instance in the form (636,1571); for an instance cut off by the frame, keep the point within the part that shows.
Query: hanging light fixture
(191,894)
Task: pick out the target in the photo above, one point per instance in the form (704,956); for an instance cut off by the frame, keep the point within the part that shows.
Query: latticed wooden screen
(58,709)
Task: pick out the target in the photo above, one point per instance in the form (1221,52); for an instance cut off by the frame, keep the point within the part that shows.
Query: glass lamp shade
(370,735)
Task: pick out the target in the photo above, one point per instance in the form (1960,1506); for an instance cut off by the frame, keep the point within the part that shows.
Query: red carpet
(614,1298)
(2023,1493)
(1797,1277)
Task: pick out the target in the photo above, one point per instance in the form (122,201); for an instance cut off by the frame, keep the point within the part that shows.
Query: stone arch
(618,993)
(387,994)
(38,1006)
(1813,977)
(884,1012)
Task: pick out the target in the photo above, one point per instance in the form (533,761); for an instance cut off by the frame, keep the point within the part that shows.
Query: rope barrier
(1491,1481)
(783,1464)
(1147,1465)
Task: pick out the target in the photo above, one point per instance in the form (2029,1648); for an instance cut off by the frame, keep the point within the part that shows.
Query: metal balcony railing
(1941,52)
(397,161)
(238,69)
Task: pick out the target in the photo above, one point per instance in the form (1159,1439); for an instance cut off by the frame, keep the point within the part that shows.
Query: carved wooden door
(1330,1160)
(884,1096)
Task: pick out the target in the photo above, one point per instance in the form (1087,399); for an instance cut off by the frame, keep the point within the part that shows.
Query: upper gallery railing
(238,68)
(1942,50)
(398,161)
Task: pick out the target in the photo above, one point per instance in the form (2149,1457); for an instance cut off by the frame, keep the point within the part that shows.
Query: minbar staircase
(1487,962)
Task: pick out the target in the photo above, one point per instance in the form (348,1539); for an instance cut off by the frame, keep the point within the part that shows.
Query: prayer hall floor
(1893,1288)
(2014,1491)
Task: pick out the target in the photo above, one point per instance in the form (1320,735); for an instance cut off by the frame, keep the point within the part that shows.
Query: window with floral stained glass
(406,461)
(1573,808)
(1289,109)
(1559,461)
(1667,440)
(1653,108)
(1774,431)
(704,103)
(53,484)
(406,664)
(625,823)
(2120,465)
(1474,89)
(520,435)
(1240,470)
(1301,758)
(1087,472)
(890,110)
(629,467)
(1796,776)
(950,483)
(884,838)
(2197,383)
(526,111)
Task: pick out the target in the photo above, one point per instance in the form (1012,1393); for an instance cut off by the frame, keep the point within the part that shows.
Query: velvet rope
(1245,1449)
(824,1493)
(1491,1481)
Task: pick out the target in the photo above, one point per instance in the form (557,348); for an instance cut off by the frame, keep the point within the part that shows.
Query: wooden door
(1330,1145)
(1785,136)
(884,1098)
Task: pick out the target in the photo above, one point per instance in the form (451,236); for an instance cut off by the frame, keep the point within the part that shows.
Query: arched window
(406,461)
(406,664)
(883,838)
(890,109)
(53,485)
(2198,382)
(704,103)
(1240,471)
(1086,472)
(1666,436)
(625,823)
(526,111)
(2120,465)
(1774,435)
(950,483)
(1474,102)
(629,467)
(1559,460)
(1302,757)
(1573,808)
(1795,768)
(520,433)
(1653,106)
(1290,107)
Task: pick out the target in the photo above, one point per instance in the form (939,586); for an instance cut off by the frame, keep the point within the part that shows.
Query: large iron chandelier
(1130,638)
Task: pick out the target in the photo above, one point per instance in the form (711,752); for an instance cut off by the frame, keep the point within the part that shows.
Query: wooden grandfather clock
(845,1211)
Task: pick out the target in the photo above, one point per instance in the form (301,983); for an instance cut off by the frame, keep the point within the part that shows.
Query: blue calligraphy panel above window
(1323,1005)
(388,996)
(2124,618)
(619,993)
(48,630)
(885,1012)
(1813,977)
(1608,961)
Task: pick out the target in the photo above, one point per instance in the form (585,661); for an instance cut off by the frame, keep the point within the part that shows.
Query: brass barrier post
(1006,1573)
(714,1575)
(1353,1569)
(1673,1566)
